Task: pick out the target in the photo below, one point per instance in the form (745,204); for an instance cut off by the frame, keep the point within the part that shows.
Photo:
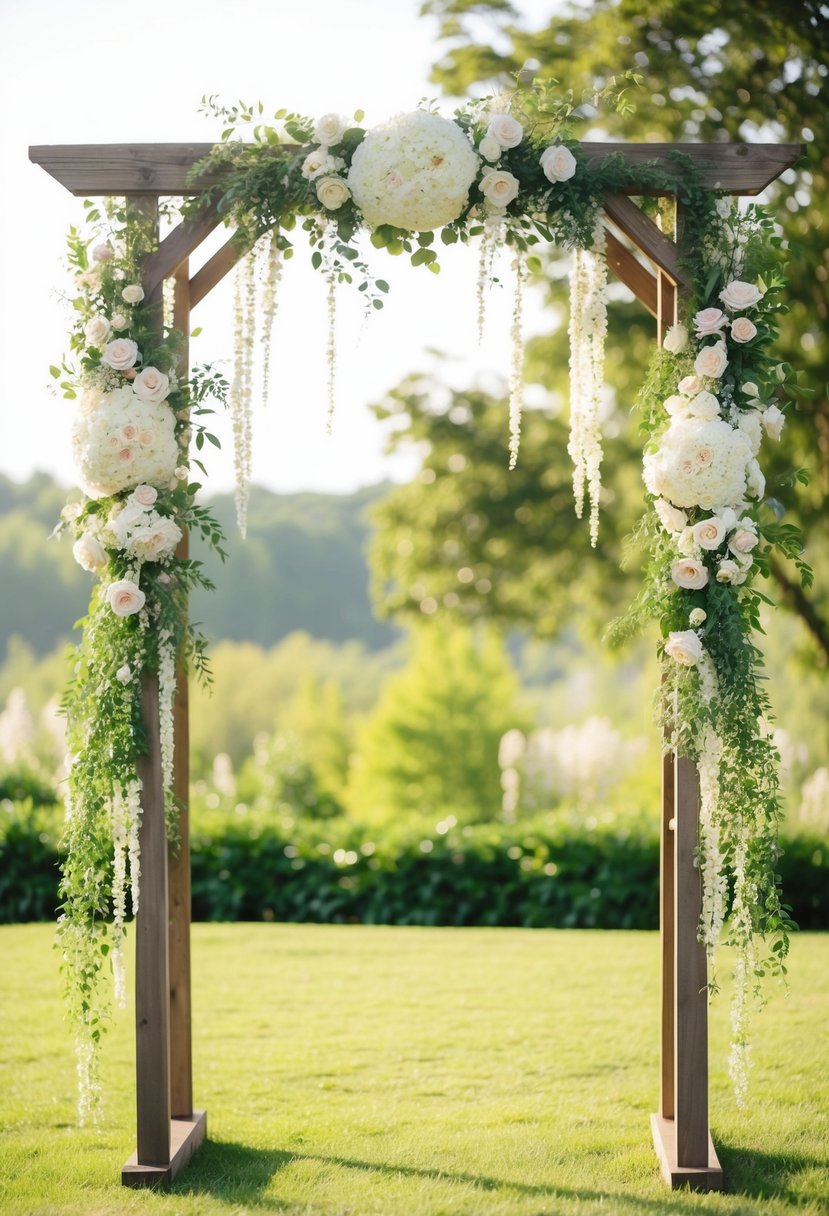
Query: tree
(709,72)
(431,746)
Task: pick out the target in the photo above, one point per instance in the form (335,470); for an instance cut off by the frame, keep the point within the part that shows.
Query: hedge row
(562,877)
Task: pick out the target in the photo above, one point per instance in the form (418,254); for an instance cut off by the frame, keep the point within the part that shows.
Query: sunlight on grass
(355,1070)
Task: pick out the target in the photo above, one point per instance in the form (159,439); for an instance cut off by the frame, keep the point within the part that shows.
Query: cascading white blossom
(271,275)
(587,332)
(492,239)
(739,1060)
(119,894)
(331,350)
(166,703)
(241,388)
(516,380)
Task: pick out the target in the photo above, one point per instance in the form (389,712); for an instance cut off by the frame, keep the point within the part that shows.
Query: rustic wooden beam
(93,169)
(176,246)
(643,232)
(630,271)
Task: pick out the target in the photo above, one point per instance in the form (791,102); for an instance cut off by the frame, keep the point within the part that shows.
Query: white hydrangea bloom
(123,442)
(699,463)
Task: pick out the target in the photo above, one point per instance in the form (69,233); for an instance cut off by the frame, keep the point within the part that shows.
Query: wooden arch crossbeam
(648,261)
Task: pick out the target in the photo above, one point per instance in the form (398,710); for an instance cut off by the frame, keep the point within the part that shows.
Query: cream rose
(506,129)
(743,540)
(151,385)
(684,646)
(89,553)
(689,385)
(103,253)
(332,192)
(677,405)
(97,330)
(697,616)
(499,186)
(755,481)
(709,321)
(120,354)
(133,293)
(671,518)
(558,163)
(729,572)
(144,496)
(710,533)
(490,149)
(675,340)
(738,295)
(330,129)
(689,574)
(773,422)
(125,597)
(119,321)
(123,674)
(711,361)
(743,330)
(704,405)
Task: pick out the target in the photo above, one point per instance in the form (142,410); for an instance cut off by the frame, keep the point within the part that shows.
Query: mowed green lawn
(416,1072)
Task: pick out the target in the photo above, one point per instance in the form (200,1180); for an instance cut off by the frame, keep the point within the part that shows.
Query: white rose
(506,129)
(711,361)
(689,385)
(121,354)
(156,539)
(144,496)
(119,321)
(124,674)
(89,553)
(676,405)
(315,163)
(71,511)
(675,340)
(558,163)
(133,294)
(103,253)
(125,597)
(749,423)
(489,148)
(755,481)
(690,574)
(742,541)
(743,330)
(729,572)
(684,646)
(686,544)
(96,330)
(332,192)
(330,129)
(704,405)
(710,533)
(499,186)
(151,385)
(738,295)
(773,421)
(709,321)
(697,616)
(672,519)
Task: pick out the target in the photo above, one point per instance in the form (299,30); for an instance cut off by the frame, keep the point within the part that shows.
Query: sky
(93,72)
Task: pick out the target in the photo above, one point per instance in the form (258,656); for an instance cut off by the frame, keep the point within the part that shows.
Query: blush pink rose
(125,597)
(120,354)
(743,330)
(709,321)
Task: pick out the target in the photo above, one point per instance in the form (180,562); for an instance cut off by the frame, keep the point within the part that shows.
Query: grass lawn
(416,1072)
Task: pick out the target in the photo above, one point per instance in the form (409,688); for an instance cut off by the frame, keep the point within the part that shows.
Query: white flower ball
(699,463)
(124,442)
(413,172)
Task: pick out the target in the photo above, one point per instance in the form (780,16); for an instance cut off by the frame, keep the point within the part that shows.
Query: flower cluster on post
(130,437)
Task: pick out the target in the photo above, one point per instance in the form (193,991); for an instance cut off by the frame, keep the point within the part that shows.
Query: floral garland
(508,171)
(133,423)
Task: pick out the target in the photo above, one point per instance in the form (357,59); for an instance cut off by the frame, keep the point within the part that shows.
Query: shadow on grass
(761,1175)
(240,1174)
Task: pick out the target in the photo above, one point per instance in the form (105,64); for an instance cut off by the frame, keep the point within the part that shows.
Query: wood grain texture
(178,869)
(97,169)
(707,1177)
(152,976)
(214,270)
(667,938)
(690,977)
(630,271)
(176,247)
(186,1136)
(643,232)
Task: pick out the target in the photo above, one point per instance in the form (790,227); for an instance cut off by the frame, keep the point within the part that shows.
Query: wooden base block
(186,1135)
(698,1177)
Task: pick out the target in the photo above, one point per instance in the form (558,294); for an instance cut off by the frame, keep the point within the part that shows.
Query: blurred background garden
(415,715)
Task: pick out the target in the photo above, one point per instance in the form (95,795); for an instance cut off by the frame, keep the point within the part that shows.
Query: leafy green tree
(431,746)
(710,72)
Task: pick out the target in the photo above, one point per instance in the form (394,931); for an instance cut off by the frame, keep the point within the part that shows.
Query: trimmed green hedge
(555,875)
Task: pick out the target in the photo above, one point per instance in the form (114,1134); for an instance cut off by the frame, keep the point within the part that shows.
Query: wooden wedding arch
(646,258)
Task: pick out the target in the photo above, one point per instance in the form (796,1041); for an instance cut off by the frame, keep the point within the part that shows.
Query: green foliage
(432,742)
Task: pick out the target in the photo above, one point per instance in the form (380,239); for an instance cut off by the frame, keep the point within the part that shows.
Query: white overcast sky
(90,71)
